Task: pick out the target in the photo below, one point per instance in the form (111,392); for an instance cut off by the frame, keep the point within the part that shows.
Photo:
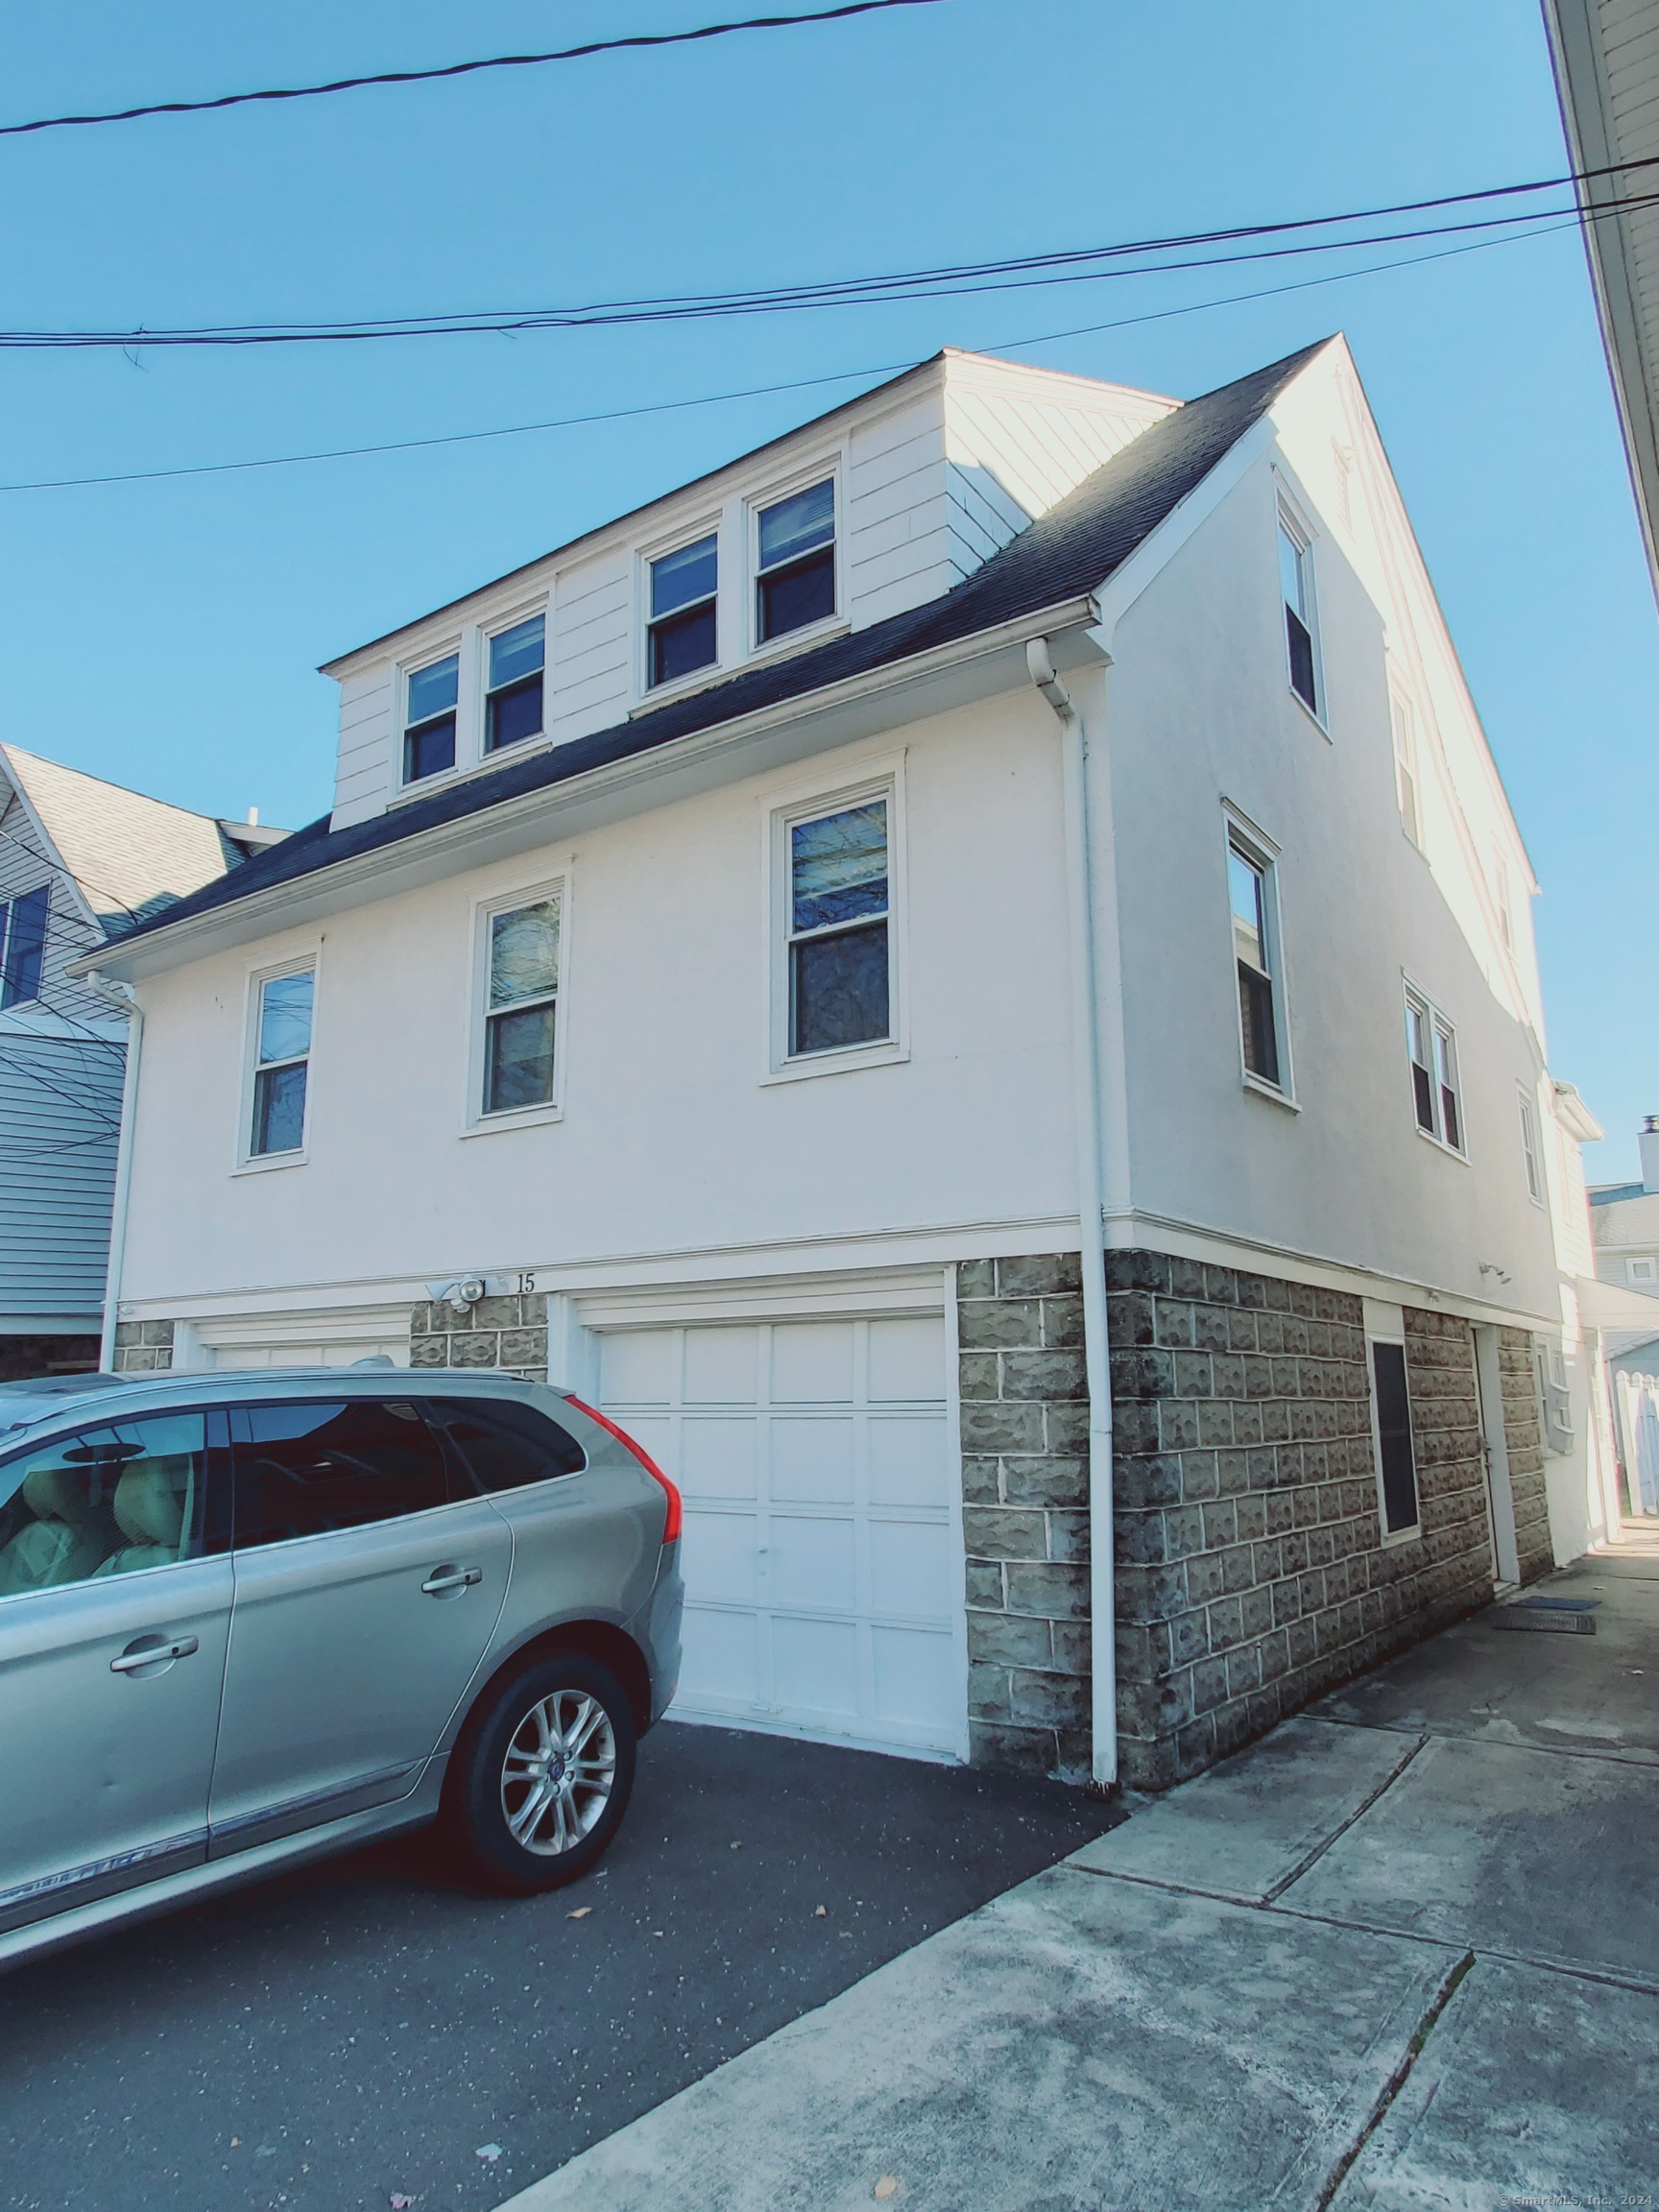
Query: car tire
(540,1777)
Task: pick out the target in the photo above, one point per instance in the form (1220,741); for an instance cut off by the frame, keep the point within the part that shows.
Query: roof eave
(979,666)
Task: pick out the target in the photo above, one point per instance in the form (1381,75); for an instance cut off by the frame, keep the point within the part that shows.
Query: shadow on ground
(364,2026)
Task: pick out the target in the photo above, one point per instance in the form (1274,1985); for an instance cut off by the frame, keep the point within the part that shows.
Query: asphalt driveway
(363,2029)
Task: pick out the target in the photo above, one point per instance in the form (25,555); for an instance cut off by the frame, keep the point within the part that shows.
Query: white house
(980,942)
(80,860)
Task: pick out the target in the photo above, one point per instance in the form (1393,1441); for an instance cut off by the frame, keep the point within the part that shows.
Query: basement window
(1391,1432)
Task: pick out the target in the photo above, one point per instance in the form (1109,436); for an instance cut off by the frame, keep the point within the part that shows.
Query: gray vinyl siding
(60,1074)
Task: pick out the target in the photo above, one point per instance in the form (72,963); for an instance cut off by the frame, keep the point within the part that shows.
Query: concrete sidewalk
(1403,1952)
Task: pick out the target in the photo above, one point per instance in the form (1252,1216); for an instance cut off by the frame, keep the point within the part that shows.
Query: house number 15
(526,1286)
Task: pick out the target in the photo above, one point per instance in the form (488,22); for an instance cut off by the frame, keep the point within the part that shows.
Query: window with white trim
(1436,1092)
(23,945)
(1405,768)
(682,633)
(1301,626)
(520,1006)
(429,701)
(1252,889)
(1530,1148)
(1398,1504)
(837,940)
(514,678)
(795,562)
(1644,1273)
(282,1017)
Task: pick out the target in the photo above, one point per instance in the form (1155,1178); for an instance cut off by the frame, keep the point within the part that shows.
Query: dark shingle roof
(1069,551)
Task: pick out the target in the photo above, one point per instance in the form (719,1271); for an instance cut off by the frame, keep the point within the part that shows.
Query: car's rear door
(369,1578)
(114,1608)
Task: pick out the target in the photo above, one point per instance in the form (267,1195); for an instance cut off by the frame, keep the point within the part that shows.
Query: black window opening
(23,947)
(310,1470)
(513,700)
(506,1445)
(839,969)
(685,588)
(795,581)
(1257,1019)
(1398,1469)
(1297,585)
(429,719)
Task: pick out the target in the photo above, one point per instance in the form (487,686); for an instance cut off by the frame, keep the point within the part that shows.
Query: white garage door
(395,1349)
(823,1570)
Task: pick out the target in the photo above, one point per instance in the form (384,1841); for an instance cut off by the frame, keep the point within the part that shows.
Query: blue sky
(166,634)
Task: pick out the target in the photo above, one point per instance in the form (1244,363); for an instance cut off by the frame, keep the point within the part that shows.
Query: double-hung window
(1397,1498)
(1530,1148)
(682,636)
(1437,1090)
(429,719)
(23,947)
(1296,583)
(838,943)
(513,694)
(281,1062)
(1251,893)
(521,1006)
(794,571)
(1405,769)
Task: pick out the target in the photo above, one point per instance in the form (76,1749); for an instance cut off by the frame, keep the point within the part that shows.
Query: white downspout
(124,998)
(1086,1072)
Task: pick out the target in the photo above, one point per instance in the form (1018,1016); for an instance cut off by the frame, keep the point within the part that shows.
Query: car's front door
(114,1607)
(369,1578)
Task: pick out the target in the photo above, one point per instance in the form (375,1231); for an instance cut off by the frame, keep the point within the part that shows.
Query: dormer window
(429,719)
(795,579)
(683,588)
(513,700)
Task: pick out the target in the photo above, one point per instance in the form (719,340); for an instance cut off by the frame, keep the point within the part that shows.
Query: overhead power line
(1242,244)
(768,391)
(580,52)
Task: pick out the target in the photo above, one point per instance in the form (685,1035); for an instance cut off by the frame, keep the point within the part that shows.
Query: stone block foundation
(143,1346)
(506,1333)
(1524,1441)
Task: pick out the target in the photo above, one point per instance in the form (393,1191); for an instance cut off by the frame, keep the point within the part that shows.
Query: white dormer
(871,510)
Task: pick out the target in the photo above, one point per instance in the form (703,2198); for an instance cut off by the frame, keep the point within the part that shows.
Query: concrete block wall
(1251,1572)
(1024,1416)
(1524,1441)
(509,1333)
(143,1346)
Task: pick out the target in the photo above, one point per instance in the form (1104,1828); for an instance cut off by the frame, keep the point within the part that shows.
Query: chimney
(1648,1141)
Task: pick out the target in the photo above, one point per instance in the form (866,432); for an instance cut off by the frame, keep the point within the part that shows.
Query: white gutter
(125,999)
(1091,1219)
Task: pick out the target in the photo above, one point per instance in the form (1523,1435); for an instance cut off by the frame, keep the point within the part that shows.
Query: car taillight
(671,1527)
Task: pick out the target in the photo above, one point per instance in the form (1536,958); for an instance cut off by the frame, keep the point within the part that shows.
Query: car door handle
(444,1580)
(154,1654)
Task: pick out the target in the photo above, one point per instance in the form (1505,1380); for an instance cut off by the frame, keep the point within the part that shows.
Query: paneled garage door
(821,1562)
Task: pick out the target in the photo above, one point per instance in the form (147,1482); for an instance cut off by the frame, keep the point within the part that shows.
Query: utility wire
(461,68)
(849,291)
(767,391)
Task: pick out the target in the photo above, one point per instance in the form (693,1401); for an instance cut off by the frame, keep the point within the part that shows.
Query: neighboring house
(1624,1226)
(969,977)
(80,862)
(1606,58)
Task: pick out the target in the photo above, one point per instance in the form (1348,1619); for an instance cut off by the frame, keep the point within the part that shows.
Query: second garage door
(821,1559)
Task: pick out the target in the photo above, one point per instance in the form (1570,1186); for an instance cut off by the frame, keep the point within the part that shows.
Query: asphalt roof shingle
(1071,550)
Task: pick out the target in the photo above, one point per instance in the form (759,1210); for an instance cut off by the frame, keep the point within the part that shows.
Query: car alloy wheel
(559,1773)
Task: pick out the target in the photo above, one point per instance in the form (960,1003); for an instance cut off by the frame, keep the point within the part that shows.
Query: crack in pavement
(1396,2080)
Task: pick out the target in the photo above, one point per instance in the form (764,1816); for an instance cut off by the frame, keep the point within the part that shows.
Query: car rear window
(306,1469)
(508,1445)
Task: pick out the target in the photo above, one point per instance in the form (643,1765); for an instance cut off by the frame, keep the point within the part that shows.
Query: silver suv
(256,1618)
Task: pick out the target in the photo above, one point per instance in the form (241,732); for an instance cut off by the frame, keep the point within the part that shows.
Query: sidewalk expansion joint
(1396,2080)
(1275,1890)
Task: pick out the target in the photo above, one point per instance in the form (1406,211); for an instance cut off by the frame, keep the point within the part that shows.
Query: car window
(108,1501)
(506,1445)
(303,1470)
